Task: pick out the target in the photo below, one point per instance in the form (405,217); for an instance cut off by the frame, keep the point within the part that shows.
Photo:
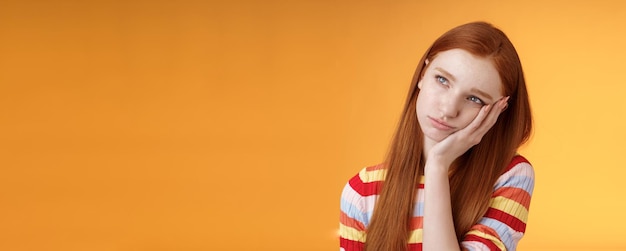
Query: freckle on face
(464,73)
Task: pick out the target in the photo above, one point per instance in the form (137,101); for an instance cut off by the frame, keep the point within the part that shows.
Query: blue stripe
(522,182)
(353,211)
(418,210)
(503,230)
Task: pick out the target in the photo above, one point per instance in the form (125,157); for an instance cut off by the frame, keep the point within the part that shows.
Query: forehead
(469,71)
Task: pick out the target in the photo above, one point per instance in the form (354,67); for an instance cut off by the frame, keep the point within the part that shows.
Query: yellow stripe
(351,233)
(511,207)
(378,175)
(492,238)
(416,236)
(371,176)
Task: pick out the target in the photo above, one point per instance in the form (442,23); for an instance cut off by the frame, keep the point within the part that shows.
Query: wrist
(436,166)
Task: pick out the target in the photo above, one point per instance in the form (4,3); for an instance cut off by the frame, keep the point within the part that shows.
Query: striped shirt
(501,228)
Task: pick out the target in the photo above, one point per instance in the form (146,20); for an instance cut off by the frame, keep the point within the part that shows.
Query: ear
(419,83)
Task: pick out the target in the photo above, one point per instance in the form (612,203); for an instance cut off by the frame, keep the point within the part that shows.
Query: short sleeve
(351,219)
(504,223)
(357,204)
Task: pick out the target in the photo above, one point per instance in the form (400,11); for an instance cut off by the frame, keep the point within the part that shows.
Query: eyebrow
(451,77)
(482,93)
(446,74)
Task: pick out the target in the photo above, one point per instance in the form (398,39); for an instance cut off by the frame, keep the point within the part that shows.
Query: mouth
(439,124)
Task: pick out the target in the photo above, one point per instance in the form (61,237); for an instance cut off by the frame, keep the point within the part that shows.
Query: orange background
(233,125)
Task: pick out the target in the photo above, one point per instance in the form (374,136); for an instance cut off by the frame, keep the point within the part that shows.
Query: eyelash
(439,79)
(444,81)
(477,101)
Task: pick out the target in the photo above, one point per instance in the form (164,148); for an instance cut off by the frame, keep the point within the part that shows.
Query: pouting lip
(440,124)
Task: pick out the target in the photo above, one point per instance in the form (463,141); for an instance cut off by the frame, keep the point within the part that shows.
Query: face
(455,85)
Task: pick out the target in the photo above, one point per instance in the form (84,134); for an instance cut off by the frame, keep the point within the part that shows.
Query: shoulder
(517,179)
(518,170)
(368,181)
(518,163)
(359,196)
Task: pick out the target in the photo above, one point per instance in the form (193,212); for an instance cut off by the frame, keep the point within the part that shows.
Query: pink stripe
(487,243)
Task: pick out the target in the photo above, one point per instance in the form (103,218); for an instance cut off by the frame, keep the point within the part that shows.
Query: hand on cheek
(462,140)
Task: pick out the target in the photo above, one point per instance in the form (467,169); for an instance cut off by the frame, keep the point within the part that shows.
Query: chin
(436,136)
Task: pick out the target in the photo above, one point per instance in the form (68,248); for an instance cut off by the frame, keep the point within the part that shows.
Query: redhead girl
(452,179)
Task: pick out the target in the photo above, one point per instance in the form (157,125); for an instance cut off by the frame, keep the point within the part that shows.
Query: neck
(428,144)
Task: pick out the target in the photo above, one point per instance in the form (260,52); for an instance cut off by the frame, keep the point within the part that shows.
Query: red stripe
(516,160)
(513,193)
(415,246)
(350,222)
(370,188)
(488,243)
(365,189)
(417,222)
(485,230)
(374,168)
(507,219)
(350,245)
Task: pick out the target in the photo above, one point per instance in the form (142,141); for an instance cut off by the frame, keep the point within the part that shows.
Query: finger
(499,107)
(493,115)
(485,118)
(506,104)
(480,117)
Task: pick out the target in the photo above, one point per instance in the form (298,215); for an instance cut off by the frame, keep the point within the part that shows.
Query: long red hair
(472,175)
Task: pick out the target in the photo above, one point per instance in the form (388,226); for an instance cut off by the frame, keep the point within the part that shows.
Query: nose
(449,106)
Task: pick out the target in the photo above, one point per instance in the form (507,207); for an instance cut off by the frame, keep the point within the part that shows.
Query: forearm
(439,233)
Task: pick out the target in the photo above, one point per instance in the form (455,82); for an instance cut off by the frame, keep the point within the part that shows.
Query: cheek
(468,115)
(421,103)
(427,96)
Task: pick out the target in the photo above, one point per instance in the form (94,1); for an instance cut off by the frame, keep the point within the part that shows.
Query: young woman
(452,179)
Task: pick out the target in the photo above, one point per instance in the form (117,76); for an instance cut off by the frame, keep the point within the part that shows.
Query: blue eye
(441,80)
(476,100)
